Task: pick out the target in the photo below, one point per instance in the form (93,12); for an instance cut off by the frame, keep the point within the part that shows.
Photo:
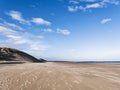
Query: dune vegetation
(11,54)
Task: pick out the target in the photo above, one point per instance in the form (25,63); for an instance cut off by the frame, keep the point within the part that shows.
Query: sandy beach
(59,76)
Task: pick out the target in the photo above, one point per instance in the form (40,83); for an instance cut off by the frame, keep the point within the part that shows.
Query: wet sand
(59,76)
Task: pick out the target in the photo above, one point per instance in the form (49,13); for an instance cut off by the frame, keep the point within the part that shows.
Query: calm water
(91,62)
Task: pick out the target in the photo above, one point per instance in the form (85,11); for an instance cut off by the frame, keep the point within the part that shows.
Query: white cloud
(74,1)
(88,0)
(48,30)
(40,21)
(115,2)
(6,31)
(40,37)
(63,31)
(17,16)
(26,40)
(11,25)
(76,8)
(14,37)
(11,34)
(72,8)
(95,5)
(106,20)
(38,46)
(90,4)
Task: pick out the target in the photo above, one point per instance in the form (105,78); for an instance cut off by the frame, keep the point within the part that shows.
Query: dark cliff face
(10,54)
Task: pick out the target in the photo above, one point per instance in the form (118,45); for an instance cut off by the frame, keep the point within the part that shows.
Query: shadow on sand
(15,62)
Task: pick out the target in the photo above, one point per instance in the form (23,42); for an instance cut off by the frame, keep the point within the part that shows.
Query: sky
(71,30)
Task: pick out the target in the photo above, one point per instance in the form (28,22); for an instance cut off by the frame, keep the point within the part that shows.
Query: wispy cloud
(72,8)
(33,42)
(95,5)
(16,36)
(41,21)
(63,31)
(11,25)
(17,16)
(75,5)
(106,20)
(74,2)
(48,30)
(6,31)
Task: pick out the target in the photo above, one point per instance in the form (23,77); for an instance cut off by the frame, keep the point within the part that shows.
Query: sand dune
(59,76)
(11,54)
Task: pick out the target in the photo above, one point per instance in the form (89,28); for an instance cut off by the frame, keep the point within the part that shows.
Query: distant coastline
(88,62)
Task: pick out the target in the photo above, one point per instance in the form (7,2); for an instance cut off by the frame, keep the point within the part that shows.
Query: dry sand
(59,76)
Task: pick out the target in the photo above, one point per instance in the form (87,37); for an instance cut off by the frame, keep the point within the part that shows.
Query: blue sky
(62,29)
